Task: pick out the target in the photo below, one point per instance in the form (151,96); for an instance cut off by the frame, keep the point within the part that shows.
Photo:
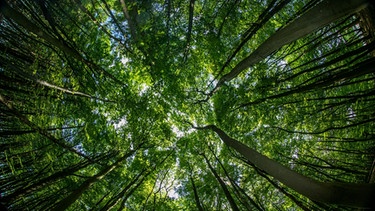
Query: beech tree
(187,105)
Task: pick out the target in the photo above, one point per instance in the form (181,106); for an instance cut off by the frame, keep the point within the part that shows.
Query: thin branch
(41,131)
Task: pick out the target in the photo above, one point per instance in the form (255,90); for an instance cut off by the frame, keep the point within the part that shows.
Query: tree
(101,103)
(312,20)
(355,195)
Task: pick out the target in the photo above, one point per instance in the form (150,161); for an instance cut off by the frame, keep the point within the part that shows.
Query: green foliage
(104,78)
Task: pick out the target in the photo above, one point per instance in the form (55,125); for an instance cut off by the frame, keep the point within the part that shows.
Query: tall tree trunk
(113,201)
(114,19)
(142,176)
(97,22)
(27,188)
(190,27)
(41,131)
(72,197)
(278,187)
(22,132)
(125,198)
(45,181)
(21,20)
(315,18)
(130,21)
(348,194)
(196,196)
(241,194)
(263,18)
(223,186)
(360,69)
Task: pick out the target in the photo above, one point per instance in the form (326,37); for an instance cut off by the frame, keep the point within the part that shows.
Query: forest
(187,105)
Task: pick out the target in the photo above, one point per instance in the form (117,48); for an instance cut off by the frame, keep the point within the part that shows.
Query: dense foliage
(102,103)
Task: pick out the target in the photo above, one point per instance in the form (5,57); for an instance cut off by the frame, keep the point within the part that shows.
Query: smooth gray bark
(347,194)
(315,18)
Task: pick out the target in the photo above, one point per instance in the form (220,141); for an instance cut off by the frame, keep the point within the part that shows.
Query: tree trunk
(278,187)
(113,201)
(196,196)
(72,197)
(315,18)
(223,186)
(245,199)
(45,181)
(263,18)
(189,29)
(363,68)
(21,20)
(128,18)
(125,198)
(41,131)
(348,194)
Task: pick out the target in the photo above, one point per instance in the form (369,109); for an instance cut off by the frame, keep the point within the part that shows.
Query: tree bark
(41,131)
(190,27)
(45,181)
(72,197)
(113,201)
(245,199)
(274,184)
(128,18)
(347,194)
(363,68)
(21,20)
(223,186)
(196,196)
(315,18)
(266,15)
(125,198)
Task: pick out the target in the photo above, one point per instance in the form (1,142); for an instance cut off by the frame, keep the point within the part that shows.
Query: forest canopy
(187,105)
